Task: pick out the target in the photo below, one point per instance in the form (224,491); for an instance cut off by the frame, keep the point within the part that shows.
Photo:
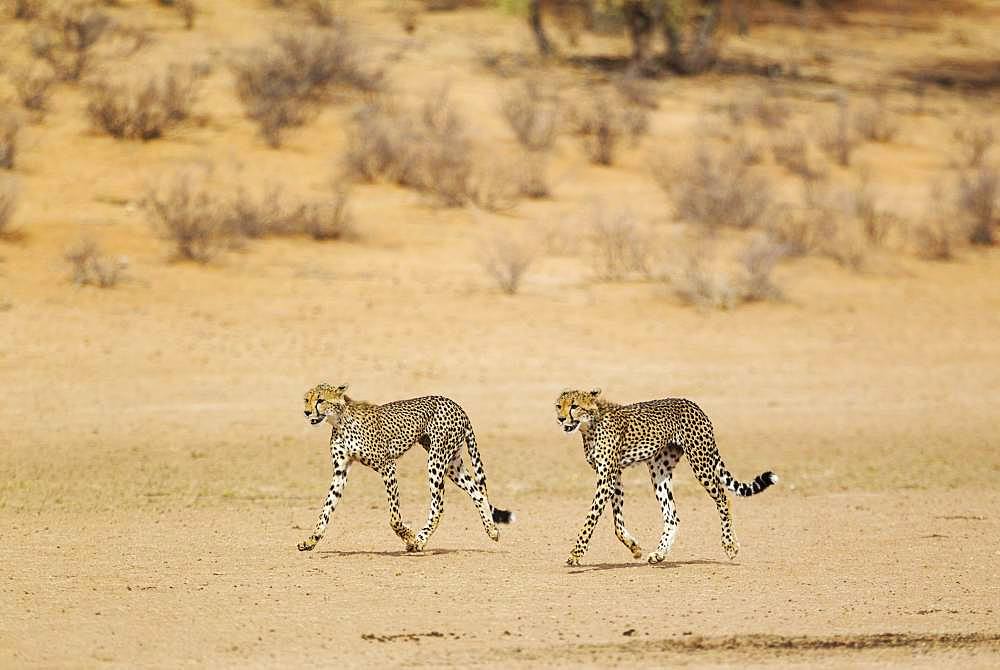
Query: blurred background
(784,210)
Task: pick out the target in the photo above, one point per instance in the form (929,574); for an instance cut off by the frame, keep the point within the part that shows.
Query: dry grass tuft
(792,150)
(700,283)
(26,10)
(532,112)
(9,197)
(837,138)
(716,189)
(10,130)
(68,37)
(979,202)
(602,123)
(621,245)
(975,141)
(144,110)
(874,122)
(33,86)
(506,260)
(283,82)
(89,266)
(184,212)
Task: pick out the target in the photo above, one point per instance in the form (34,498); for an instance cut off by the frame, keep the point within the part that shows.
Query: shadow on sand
(642,564)
(400,553)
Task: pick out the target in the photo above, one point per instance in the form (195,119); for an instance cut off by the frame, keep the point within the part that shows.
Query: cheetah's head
(574,408)
(324,400)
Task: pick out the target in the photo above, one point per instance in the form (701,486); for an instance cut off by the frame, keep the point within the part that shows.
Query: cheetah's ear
(343,388)
(595,392)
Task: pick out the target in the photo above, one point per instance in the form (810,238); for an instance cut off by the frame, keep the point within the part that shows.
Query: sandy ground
(156,471)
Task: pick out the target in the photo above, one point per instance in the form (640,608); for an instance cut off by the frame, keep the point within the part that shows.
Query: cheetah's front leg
(617,505)
(340,465)
(601,497)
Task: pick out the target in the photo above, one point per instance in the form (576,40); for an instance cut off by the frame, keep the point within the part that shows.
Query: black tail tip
(502,515)
(770,478)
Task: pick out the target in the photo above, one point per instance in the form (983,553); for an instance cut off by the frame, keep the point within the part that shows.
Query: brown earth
(156,473)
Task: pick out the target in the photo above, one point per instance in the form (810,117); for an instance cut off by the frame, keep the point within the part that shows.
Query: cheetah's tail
(499,515)
(760,482)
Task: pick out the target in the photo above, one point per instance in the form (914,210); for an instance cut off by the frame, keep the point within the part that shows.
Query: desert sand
(156,472)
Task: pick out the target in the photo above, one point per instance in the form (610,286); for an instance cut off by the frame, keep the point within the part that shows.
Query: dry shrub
(748,150)
(254,218)
(830,213)
(599,130)
(531,175)
(26,10)
(874,122)
(837,138)
(700,282)
(876,224)
(637,91)
(144,110)
(33,85)
(621,245)
(792,150)
(602,122)
(321,11)
(10,129)
(768,108)
(184,212)
(494,184)
(756,263)
(408,15)
(427,148)
(506,260)
(716,189)
(89,266)
(281,83)
(975,141)
(532,112)
(979,202)
(8,203)
(328,219)
(68,38)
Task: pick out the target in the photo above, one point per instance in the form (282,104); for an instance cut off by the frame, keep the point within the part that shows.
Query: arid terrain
(156,472)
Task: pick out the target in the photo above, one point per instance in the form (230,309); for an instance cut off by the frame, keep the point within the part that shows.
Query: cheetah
(378,435)
(658,432)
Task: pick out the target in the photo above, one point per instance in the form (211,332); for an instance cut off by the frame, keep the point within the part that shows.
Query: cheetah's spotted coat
(377,435)
(658,432)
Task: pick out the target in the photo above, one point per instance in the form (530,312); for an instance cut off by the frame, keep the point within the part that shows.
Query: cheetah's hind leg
(458,474)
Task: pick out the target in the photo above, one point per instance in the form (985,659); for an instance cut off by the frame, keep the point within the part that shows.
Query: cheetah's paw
(573,560)
(656,557)
(636,551)
(731,550)
(415,545)
(307,544)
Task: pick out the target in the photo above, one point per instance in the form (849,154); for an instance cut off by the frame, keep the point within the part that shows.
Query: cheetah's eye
(573,406)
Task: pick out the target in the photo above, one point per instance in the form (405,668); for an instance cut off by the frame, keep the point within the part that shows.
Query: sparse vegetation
(838,138)
(602,123)
(8,203)
(716,189)
(281,83)
(700,282)
(10,130)
(979,202)
(532,112)
(875,122)
(144,110)
(532,175)
(327,219)
(975,141)
(89,266)
(68,38)
(184,212)
(26,10)
(621,245)
(505,260)
(33,86)
(792,150)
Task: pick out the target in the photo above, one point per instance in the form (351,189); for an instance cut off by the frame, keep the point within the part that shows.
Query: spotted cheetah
(377,435)
(658,432)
